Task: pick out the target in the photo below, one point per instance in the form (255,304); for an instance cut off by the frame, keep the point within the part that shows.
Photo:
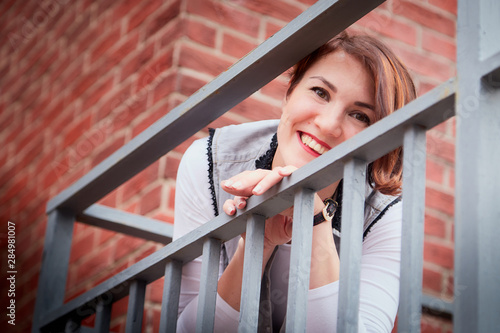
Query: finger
(240,202)
(287,170)
(243,183)
(229,207)
(268,181)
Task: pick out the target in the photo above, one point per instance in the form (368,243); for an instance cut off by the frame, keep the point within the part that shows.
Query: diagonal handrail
(268,60)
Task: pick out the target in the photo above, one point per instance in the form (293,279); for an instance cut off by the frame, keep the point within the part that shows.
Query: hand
(248,183)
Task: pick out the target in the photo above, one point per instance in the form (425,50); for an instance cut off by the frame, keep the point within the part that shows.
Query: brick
(18,185)
(225,16)
(275,89)
(448,5)
(163,18)
(96,262)
(148,8)
(171,166)
(97,93)
(390,26)
(201,33)
(75,131)
(151,118)
(425,17)
(137,183)
(272,28)
(434,171)
(84,84)
(126,245)
(148,250)
(155,291)
(133,107)
(202,61)
(105,44)
(434,43)
(126,46)
(110,148)
(432,280)
(79,25)
(81,247)
(435,226)
(441,201)
(164,87)
(256,110)
(188,85)
(424,64)
(133,65)
(151,200)
(235,46)
(439,147)
(147,77)
(439,254)
(277,8)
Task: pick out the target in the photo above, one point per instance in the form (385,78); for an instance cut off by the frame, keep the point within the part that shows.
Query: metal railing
(473,96)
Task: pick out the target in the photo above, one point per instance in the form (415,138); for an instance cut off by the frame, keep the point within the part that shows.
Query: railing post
(208,286)
(353,201)
(170,299)
(300,261)
(412,230)
(55,261)
(477,211)
(252,274)
(103,316)
(135,309)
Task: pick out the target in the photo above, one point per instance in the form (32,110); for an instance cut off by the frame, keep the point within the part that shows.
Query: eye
(360,116)
(321,92)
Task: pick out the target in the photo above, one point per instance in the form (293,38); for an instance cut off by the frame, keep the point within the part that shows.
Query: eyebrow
(334,89)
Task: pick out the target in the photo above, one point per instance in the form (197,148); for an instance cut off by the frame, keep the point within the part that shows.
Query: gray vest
(235,149)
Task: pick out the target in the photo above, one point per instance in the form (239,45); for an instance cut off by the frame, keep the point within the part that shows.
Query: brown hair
(393,89)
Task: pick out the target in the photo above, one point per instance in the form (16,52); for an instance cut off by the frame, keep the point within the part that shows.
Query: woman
(334,93)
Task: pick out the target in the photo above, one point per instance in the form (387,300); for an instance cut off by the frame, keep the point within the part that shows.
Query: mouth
(315,145)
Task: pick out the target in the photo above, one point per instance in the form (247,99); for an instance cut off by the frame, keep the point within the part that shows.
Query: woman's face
(333,101)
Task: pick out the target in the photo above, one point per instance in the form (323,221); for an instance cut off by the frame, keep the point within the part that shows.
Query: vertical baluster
(55,261)
(170,299)
(300,261)
(353,201)
(412,233)
(135,306)
(103,316)
(208,285)
(252,274)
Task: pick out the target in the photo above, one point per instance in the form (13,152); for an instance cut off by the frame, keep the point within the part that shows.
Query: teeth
(311,143)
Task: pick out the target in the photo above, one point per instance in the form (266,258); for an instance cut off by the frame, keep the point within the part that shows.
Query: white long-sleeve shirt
(380,264)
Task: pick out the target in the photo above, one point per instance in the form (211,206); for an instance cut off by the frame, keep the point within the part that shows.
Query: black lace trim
(266,160)
(211,132)
(395,201)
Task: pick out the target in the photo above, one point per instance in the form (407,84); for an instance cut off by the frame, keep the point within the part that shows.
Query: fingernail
(237,185)
(232,210)
(227,183)
(257,189)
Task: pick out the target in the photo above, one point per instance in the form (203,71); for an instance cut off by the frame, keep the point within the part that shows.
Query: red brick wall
(78,79)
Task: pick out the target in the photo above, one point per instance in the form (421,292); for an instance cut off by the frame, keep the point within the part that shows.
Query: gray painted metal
(353,203)
(377,140)
(412,231)
(208,285)
(314,27)
(477,212)
(54,270)
(300,261)
(137,295)
(436,304)
(170,299)
(103,316)
(127,223)
(252,274)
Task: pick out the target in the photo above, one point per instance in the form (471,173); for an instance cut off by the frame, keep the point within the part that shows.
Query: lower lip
(306,148)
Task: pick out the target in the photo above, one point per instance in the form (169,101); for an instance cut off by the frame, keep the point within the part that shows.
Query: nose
(330,121)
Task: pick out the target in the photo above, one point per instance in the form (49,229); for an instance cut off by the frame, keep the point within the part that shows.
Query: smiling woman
(334,93)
